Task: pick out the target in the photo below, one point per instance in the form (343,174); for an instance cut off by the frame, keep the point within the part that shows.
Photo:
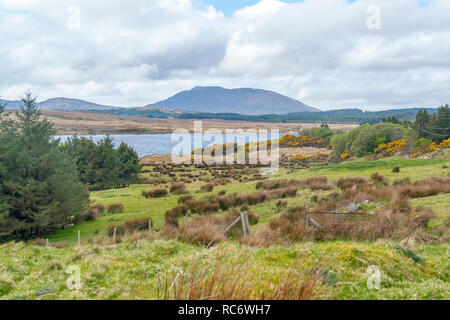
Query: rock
(353,207)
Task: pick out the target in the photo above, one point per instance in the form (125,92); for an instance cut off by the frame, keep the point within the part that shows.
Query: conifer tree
(39,185)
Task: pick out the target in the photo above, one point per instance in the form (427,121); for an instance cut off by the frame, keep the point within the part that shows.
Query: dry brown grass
(200,230)
(235,281)
(208,230)
(318,183)
(425,188)
(178,188)
(379,179)
(130,226)
(155,181)
(396,219)
(347,183)
(155,193)
(207,187)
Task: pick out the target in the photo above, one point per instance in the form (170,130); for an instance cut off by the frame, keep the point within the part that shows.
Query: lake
(148,144)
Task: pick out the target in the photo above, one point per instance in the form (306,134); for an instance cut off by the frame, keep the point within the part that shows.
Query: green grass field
(122,271)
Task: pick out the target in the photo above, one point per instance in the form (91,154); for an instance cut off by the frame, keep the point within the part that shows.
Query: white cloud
(318,51)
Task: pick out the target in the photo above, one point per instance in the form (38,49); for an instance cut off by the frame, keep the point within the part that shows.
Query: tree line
(44,184)
(435,126)
(330,116)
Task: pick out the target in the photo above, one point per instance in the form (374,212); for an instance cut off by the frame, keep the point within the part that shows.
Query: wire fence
(113,233)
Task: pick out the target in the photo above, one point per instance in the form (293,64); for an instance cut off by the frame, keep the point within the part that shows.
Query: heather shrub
(178,188)
(171,216)
(155,193)
(207,187)
(378,179)
(116,208)
(89,215)
(185,199)
(347,183)
(401,181)
(318,183)
(100,207)
(281,204)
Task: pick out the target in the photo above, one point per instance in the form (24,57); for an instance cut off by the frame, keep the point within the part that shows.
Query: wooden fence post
(150,227)
(114,234)
(79,238)
(307,215)
(245,223)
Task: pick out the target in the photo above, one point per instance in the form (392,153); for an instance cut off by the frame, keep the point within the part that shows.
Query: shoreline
(89,123)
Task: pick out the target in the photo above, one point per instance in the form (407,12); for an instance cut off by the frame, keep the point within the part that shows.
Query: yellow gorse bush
(445,144)
(392,147)
(290,140)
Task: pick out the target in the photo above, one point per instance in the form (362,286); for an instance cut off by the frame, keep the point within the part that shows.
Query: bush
(423,142)
(318,183)
(185,199)
(130,226)
(280,204)
(285,193)
(347,183)
(396,169)
(178,188)
(207,187)
(171,216)
(378,179)
(116,208)
(155,193)
(320,132)
(401,181)
(366,138)
(91,214)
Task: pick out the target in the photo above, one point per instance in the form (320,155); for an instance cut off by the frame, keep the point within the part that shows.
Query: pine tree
(100,165)
(441,124)
(39,184)
(129,164)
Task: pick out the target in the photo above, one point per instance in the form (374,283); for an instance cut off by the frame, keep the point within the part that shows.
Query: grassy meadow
(153,265)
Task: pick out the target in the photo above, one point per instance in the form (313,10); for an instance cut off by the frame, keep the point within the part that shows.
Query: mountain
(72,105)
(65,104)
(245,101)
(11,104)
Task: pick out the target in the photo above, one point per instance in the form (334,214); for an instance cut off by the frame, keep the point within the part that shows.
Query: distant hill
(245,101)
(11,104)
(72,105)
(65,104)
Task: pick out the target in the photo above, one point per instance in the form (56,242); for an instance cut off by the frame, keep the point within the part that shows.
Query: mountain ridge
(247,101)
(61,103)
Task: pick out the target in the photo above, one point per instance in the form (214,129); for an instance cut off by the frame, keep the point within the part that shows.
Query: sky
(330,54)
